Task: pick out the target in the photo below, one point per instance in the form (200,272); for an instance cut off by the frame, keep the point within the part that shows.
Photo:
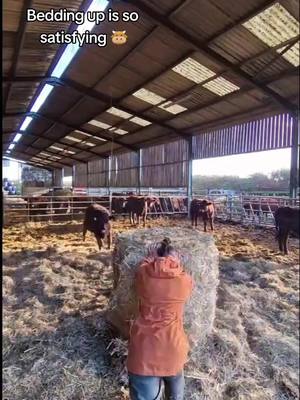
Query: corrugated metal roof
(148,96)
(292,55)
(193,70)
(274,25)
(221,86)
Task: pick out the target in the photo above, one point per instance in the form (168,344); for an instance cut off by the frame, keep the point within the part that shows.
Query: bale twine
(199,257)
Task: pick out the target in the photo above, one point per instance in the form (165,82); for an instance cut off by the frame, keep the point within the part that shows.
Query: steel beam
(19,44)
(211,54)
(294,172)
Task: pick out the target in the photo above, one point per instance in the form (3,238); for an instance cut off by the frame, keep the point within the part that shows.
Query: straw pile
(199,258)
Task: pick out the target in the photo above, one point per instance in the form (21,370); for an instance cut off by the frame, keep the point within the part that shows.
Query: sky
(243,165)
(13,172)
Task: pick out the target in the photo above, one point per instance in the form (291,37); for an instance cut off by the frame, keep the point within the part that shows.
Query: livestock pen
(194,80)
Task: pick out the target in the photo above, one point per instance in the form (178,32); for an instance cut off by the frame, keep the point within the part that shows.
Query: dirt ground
(57,345)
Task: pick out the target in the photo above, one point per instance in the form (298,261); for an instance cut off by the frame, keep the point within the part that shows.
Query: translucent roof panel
(148,96)
(140,121)
(121,131)
(119,113)
(193,70)
(172,107)
(273,26)
(221,86)
(292,55)
(99,124)
(73,139)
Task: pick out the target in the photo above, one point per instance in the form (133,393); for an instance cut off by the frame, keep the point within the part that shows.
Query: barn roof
(188,66)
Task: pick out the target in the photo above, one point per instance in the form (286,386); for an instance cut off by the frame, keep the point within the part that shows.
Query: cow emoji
(119,37)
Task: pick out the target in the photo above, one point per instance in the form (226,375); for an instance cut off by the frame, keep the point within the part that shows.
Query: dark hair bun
(166,241)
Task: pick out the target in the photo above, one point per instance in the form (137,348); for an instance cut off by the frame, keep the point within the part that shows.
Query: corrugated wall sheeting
(98,173)
(170,175)
(80,175)
(265,134)
(165,165)
(124,170)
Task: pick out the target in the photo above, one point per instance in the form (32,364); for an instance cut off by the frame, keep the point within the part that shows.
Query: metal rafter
(71,127)
(69,146)
(240,21)
(30,134)
(19,44)
(211,54)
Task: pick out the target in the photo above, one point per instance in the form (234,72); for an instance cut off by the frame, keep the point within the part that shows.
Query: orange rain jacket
(158,345)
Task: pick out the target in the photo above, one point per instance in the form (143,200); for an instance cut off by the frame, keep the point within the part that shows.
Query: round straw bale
(199,257)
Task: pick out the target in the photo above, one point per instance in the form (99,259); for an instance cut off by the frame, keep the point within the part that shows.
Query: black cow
(286,221)
(97,220)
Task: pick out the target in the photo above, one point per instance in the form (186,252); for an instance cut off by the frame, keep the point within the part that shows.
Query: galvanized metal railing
(245,209)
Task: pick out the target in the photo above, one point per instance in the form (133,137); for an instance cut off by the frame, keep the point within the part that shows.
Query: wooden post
(139,167)
(294,172)
(190,174)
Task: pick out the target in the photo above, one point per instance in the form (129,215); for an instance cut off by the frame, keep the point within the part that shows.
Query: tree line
(276,181)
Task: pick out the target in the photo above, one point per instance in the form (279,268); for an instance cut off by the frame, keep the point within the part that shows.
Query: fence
(255,210)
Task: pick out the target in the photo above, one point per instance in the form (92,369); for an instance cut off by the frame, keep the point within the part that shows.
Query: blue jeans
(151,387)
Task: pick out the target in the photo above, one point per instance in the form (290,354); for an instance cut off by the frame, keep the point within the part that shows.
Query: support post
(294,172)
(109,183)
(139,155)
(87,178)
(190,174)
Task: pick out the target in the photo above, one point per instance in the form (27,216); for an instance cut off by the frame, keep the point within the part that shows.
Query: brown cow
(139,206)
(97,220)
(202,208)
(286,221)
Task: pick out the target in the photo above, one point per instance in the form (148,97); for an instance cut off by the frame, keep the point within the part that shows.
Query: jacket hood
(164,267)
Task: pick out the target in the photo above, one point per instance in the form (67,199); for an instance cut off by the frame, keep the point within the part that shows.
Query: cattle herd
(98,212)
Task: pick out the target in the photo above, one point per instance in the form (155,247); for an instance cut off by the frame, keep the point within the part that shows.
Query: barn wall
(264,134)
(80,175)
(124,170)
(98,173)
(165,165)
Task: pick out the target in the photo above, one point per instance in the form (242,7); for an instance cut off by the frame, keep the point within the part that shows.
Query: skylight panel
(25,123)
(73,139)
(89,144)
(56,148)
(193,70)
(17,137)
(83,133)
(119,113)
(99,124)
(121,131)
(221,86)
(172,107)
(148,96)
(11,146)
(140,121)
(292,55)
(40,100)
(72,49)
(273,26)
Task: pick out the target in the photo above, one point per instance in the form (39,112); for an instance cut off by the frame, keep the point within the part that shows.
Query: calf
(286,221)
(137,206)
(202,208)
(97,220)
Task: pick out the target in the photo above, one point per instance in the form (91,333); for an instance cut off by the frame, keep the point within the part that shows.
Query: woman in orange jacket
(158,346)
